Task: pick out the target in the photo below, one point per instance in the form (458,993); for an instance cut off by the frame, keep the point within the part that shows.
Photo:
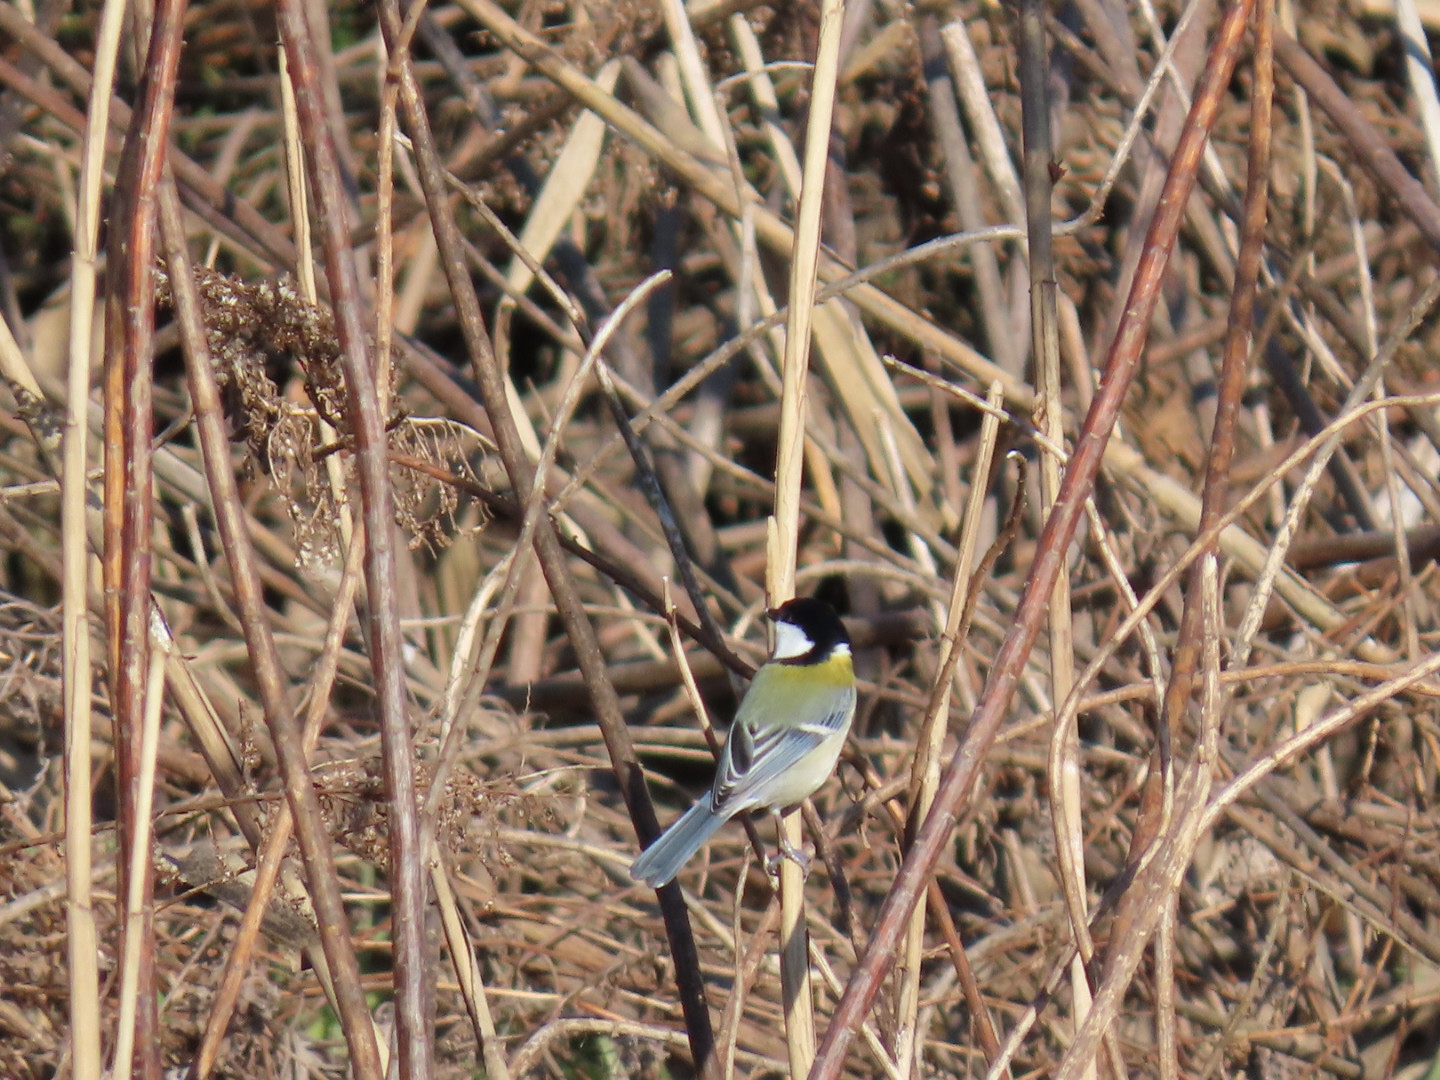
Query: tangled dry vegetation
(1241,792)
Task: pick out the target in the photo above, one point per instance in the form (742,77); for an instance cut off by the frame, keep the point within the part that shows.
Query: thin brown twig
(128,514)
(1384,167)
(629,775)
(1234,376)
(212,201)
(248,590)
(277,842)
(1054,540)
(407,883)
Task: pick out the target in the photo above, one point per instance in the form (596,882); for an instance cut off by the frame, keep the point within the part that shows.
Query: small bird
(785,740)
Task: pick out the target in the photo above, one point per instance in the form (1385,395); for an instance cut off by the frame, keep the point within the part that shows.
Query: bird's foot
(788,851)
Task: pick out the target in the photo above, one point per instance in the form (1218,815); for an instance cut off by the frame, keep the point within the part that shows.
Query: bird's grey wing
(757,753)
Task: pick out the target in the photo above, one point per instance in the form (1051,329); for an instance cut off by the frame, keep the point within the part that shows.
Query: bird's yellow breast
(798,689)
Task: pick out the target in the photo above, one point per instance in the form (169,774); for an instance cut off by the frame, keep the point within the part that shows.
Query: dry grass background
(1253,849)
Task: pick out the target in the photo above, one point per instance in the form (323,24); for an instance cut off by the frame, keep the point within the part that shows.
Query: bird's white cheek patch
(790,642)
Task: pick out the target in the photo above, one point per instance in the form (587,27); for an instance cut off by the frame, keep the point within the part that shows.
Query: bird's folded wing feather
(756,754)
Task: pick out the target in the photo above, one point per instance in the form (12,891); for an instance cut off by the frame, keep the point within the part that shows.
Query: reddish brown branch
(128,516)
(629,775)
(1120,367)
(1234,374)
(220,207)
(407,883)
(315,850)
(1373,153)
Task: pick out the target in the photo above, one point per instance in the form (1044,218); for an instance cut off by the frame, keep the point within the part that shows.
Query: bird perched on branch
(785,740)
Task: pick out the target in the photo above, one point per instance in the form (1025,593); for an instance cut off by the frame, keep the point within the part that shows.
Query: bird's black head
(807,631)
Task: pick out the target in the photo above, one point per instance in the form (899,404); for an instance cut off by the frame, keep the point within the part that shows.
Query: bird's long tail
(663,859)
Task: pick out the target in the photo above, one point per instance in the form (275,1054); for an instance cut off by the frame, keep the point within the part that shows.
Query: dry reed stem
(270,861)
(925,770)
(339,958)
(128,515)
(782,539)
(963,178)
(617,740)
(1064,764)
(232,217)
(82,943)
(1055,538)
(773,232)
(414,1028)
(135,934)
